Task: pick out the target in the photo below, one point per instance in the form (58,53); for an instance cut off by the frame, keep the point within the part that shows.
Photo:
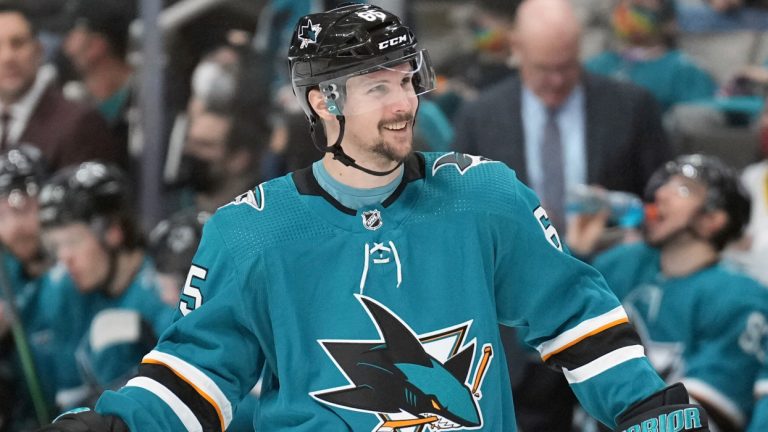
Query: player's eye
(435,405)
(379,89)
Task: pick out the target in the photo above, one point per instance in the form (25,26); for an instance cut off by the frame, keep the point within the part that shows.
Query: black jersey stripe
(595,346)
(204,410)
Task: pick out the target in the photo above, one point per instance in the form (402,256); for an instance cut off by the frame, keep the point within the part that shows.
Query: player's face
(679,201)
(78,248)
(19,226)
(20,55)
(380,110)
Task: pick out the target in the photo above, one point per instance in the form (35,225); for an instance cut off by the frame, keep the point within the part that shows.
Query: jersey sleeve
(208,359)
(570,316)
(721,369)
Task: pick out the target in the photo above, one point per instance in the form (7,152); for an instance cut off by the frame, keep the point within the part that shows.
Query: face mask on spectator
(198,174)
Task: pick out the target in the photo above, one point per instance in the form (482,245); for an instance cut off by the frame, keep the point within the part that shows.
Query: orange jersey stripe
(592,333)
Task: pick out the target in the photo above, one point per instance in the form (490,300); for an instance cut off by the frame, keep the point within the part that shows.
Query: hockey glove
(85,420)
(667,410)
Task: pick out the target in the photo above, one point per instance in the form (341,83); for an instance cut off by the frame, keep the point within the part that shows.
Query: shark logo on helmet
(308,33)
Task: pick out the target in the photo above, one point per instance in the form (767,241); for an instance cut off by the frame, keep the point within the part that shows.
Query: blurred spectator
(647,56)
(21,176)
(97,46)
(609,133)
(32,108)
(90,227)
(227,129)
(702,323)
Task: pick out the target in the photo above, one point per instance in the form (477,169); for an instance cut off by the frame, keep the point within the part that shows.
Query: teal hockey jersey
(73,312)
(383,318)
(707,329)
(30,298)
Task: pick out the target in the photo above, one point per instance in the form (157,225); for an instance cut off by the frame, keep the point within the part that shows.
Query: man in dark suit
(605,132)
(34,111)
(621,130)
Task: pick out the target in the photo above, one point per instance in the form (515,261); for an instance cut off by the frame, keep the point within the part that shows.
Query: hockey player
(22,172)
(370,286)
(88,225)
(702,323)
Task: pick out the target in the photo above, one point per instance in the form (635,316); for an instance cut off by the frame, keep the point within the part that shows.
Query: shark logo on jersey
(372,219)
(412,383)
(462,162)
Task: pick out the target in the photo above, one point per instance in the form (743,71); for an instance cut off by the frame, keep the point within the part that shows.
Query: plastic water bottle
(626,209)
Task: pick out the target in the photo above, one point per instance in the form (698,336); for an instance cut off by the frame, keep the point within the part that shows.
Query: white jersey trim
(761,387)
(584,329)
(197,379)
(182,411)
(703,391)
(602,364)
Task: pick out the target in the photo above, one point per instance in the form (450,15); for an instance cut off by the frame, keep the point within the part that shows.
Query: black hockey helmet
(173,242)
(82,193)
(329,48)
(326,48)
(724,190)
(22,170)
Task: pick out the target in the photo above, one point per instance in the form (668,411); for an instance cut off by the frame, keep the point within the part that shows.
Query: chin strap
(338,152)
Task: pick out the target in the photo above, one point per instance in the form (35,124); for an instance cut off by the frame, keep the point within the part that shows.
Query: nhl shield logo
(372,220)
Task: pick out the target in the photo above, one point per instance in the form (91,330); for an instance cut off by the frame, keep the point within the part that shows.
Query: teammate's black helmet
(21,169)
(724,190)
(326,48)
(173,241)
(83,192)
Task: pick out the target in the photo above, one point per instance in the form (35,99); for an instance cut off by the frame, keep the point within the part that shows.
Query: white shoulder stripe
(602,364)
(761,387)
(704,392)
(178,407)
(581,331)
(197,378)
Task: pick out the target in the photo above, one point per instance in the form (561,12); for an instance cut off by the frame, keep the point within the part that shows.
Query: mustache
(408,117)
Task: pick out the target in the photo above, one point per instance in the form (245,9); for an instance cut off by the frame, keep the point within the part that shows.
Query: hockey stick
(481,368)
(22,346)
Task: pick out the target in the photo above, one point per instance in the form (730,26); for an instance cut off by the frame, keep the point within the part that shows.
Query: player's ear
(317,102)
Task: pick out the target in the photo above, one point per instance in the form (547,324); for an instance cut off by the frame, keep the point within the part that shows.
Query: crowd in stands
(86,289)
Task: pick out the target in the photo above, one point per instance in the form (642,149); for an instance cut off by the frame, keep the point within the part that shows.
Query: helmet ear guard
(332,94)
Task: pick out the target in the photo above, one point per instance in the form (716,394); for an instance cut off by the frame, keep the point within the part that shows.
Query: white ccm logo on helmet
(392,42)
